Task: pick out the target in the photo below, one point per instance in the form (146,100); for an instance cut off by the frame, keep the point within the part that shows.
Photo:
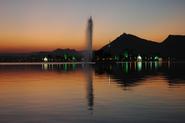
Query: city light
(45,59)
(139,58)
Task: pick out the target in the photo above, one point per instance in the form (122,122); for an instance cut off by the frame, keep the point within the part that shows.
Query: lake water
(102,93)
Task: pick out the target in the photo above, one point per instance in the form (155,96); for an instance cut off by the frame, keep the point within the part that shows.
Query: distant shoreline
(61,63)
(40,63)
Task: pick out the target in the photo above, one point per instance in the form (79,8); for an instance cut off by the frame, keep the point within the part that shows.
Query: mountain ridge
(172,46)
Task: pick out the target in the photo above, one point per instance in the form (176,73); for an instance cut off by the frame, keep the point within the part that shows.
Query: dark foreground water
(76,93)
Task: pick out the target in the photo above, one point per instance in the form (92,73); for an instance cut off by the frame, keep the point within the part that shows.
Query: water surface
(102,93)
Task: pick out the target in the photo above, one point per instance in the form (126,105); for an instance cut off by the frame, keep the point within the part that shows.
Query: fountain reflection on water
(83,93)
(88,72)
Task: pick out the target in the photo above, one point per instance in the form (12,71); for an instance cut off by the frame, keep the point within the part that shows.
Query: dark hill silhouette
(58,52)
(173,47)
(132,44)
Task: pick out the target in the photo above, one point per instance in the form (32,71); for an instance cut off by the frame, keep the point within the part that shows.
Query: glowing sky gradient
(33,25)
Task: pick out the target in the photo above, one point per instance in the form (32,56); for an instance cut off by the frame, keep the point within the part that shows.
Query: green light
(116,58)
(74,66)
(73,58)
(65,56)
(65,67)
(156,64)
(126,54)
(126,67)
(150,64)
(139,66)
(156,58)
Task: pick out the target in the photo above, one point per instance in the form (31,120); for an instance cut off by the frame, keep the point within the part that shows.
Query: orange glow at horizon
(48,38)
(49,43)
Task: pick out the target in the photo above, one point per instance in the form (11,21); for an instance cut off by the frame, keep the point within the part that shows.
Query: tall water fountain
(89,36)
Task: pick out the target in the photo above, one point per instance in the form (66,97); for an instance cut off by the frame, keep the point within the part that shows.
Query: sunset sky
(34,25)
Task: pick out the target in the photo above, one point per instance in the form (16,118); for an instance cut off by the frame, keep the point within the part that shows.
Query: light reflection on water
(75,93)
